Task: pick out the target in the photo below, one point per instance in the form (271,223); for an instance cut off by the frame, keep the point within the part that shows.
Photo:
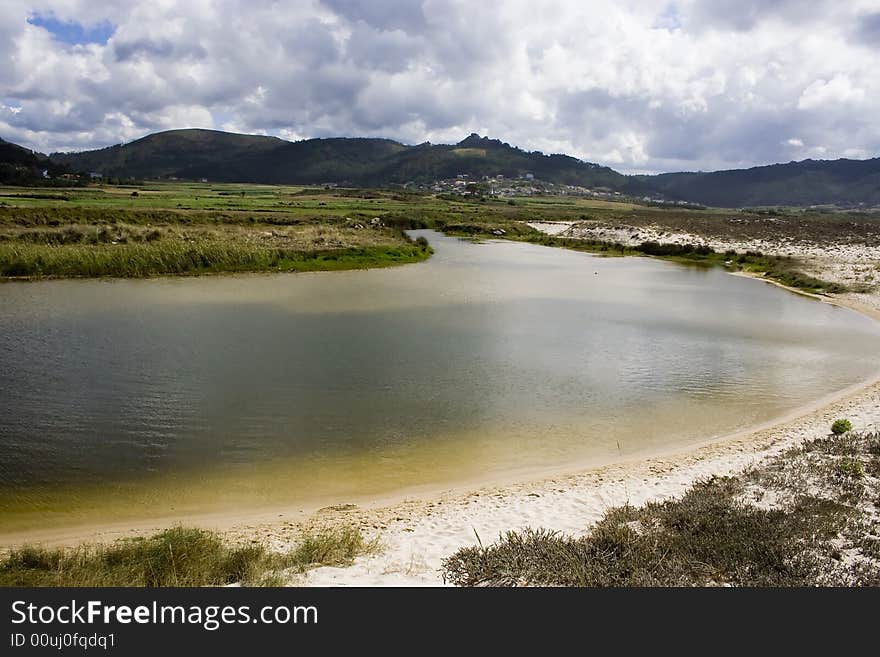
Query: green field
(194,228)
(189,228)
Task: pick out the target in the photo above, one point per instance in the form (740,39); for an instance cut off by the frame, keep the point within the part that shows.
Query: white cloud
(837,91)
(650,85)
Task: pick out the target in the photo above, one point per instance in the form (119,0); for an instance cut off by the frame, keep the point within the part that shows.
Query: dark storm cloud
(158,48)
(868,29)
(406,15)
(744,15)
(387,51)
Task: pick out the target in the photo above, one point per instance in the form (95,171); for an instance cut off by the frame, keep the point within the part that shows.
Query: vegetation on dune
(841,426)
(786,271)
(179,557)
(331,547)
(721,532)
(705,537)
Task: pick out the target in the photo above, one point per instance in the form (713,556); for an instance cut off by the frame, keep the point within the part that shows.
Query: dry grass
(179,557)
(332,547)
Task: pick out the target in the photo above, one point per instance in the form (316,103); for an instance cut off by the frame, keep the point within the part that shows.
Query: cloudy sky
(639,86)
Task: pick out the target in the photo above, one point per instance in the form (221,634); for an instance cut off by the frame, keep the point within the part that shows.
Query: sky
(641,86)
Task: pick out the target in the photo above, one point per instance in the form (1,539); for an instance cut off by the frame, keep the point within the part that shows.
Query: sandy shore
(849,263)
(418,534)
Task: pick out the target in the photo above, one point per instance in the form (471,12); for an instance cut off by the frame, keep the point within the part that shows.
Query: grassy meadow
(174,229)
(179,228)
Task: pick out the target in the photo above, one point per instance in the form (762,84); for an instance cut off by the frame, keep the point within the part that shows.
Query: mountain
(810,182)
(480,156)
(169,153)
(20,166)
(226,157)
(344,160)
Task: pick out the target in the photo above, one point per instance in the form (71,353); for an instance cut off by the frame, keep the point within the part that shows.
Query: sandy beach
(418,534)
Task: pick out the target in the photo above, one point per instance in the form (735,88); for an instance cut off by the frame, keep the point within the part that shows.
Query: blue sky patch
(71,32)
(669,19)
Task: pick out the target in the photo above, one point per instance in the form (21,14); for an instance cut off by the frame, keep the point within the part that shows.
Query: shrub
(851,468)
(841,426)
(707,537)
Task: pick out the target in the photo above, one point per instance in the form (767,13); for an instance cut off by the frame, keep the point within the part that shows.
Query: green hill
(480,156)
(343,160)
(169,153)
(20,166)
(810,182)
(226,157)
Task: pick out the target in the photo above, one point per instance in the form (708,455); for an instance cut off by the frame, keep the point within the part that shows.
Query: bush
(841,426)
(851,468)
(706,537)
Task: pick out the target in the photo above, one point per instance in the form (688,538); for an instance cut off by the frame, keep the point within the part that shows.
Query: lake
(132,399)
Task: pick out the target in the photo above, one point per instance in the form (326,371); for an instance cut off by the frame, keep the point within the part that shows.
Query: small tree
(841,426)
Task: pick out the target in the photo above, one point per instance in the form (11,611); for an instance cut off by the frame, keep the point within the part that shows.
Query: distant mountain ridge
(165,154)
(808,182)
(18,165)
(227,157)
(357,161)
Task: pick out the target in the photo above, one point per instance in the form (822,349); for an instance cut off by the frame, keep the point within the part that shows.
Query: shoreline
(861,308)
(418,527)
(419,534)
(317,512)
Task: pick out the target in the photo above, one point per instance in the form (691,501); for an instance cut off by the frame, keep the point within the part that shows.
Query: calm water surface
(130,399)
